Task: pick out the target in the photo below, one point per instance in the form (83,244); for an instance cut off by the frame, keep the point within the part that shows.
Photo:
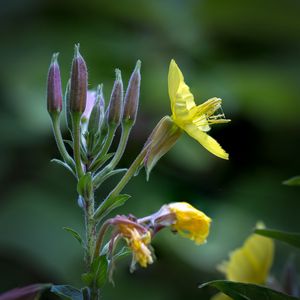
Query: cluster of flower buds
(92,125)
(181,217)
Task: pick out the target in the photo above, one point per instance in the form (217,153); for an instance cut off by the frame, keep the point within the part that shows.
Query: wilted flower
(138,242)
(190,222)
(183,218)
(194,120)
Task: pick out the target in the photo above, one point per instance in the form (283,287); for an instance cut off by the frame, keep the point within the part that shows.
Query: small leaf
(85,185)
(108,175)
(98,272)
(62,163)
(87,278)
(287,237)
(109,204)
(246,291)
(101,275)
(100,161)
(292,181)
(75,234)
(67,292)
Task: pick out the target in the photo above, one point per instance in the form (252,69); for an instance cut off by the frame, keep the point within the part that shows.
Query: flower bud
(161,140)
(114,111)
(97,114)
(54,92)
(131,101)
(78,88)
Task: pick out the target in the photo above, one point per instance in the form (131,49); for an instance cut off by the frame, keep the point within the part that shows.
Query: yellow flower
(138,243)
(190,222)
(195,120)
(249,264)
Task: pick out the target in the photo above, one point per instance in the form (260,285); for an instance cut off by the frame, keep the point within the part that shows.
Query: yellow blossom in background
(195,120)
(249,264)
(138,243)
(190,222)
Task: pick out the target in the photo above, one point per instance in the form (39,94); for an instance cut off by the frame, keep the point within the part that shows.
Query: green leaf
(101,275)
(100,161)
(108,175)
(85,185)
(110,204)
(75,234)
(287,237)
(246,291)
(98,273)
(292,181)
(67,292)
(87,278)
(62,163)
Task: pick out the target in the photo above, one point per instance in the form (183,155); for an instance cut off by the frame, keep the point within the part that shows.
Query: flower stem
(124,180)
(76,143)
(106,146)
(59,140)
(118,155)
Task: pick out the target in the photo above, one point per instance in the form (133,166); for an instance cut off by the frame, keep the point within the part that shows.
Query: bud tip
(138,65)
(54,58)
(118,74)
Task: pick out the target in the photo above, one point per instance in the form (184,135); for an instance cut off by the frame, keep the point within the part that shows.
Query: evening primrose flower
(190,222)
(139,243)
(194,120)
(249,264)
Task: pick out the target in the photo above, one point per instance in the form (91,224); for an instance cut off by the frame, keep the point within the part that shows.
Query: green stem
(124,180)
(55,118)
(106,146)
(90,229)
(76,143)
(98,179)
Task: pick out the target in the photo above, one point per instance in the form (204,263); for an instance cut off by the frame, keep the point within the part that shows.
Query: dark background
(246,52)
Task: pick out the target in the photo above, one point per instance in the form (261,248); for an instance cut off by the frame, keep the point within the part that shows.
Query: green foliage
(246,291)
(65,165)
(292,181)
(75,234)
(85,185)
(67,292)
(109,204)
(287,237)
(98,274)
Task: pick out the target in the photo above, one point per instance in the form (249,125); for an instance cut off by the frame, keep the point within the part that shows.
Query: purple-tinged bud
(114,111)
(97,114)
(78,88)
(54,92)
(161,140)
(131,101)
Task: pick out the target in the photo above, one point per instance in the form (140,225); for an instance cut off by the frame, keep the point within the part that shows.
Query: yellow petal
(190,222)
(182,100)
(206,140)
(251,263)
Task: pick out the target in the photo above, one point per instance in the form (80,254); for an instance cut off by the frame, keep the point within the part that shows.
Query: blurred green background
(246,52)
